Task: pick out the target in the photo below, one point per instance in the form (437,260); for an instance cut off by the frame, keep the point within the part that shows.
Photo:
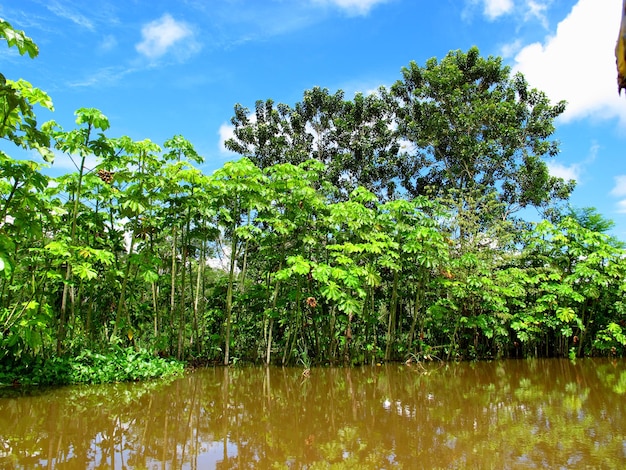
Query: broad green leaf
(331,291)
(16,38)
(150,276)
(85,271)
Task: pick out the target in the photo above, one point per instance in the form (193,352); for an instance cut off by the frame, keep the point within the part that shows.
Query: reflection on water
(509,414)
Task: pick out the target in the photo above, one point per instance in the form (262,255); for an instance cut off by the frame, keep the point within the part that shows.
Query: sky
(158,68)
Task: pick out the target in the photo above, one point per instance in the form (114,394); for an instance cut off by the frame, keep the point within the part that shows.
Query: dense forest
(413,223)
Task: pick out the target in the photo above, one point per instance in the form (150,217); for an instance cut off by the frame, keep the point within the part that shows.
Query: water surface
(508,414)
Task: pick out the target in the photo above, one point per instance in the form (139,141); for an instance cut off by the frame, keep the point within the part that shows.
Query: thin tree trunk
(196,300)
(181,303)
(121,304)
(172,287)
(155,308)
(416,308)
(391,323)
(268,351)
(183,287)
(271,323)
(229,298)
(68,270)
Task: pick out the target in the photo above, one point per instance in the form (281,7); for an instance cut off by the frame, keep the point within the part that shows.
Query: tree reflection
(535,413)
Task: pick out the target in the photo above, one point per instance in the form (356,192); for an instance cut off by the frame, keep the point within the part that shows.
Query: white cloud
(62,161)
(523,10)
(509,50)
(160,35)
(577,63)
(222,260)
(621,207)
(496,8)
(355,7)
(66,162)
(571,172)
(619,189)
(575,171)
(226,131)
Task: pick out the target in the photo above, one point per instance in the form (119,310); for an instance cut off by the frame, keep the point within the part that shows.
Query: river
(503,414)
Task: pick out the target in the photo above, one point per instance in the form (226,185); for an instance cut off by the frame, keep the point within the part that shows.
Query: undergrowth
(116,365)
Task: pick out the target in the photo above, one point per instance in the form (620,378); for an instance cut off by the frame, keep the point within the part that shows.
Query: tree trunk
(391,323)
(229,298)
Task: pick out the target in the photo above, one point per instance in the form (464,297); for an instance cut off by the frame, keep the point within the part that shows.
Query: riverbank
(88,367)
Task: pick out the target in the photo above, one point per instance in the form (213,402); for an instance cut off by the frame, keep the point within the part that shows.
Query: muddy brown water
(505,414)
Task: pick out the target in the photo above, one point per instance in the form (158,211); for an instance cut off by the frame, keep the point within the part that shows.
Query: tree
(24,209)
(18,122)
(591,219)
(18,125)
(476,130)
(354,139)
(79,142)
(577,282)
(291,231)
(237,190)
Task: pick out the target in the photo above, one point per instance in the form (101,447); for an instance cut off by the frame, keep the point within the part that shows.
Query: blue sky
(158,68)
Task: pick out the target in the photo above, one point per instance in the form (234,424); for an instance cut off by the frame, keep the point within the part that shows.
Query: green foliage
(351,231)
(88,367)
(353,139)
(18,123)
(476,128)
(16,38)
(610,338)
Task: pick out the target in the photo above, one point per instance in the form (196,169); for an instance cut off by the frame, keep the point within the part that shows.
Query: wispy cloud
(621,207)
(64,163)
(619,190)
(511,49)
(104,77)
(161,35)
(67,163)
(64,11)
(108,43)
(574,171)
(577,62)
(525,10)
(258,21)
(567,172)
(537,9)
(354,7)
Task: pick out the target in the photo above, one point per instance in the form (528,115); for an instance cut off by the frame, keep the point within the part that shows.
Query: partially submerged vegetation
(382,227)
(88,367)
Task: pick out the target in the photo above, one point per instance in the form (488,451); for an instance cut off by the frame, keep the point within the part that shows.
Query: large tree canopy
(462,125)
(475,128)
(353,138)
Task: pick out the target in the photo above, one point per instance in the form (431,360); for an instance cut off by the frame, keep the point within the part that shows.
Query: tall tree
(79,143)
(353,138)
(476,130)
(237,191)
